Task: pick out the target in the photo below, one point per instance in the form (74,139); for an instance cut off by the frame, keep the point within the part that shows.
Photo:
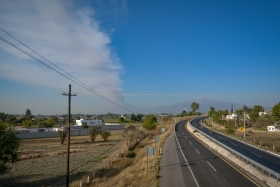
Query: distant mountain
(204,106)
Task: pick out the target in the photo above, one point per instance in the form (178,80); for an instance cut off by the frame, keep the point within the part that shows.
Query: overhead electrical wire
(73,79)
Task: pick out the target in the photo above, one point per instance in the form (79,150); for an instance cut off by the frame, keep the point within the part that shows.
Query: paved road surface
(186,162)
(270,161)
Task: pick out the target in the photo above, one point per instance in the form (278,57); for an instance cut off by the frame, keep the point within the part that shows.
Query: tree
(240,111)
(276,111)
(27,123)
(212,111)
(9,144)
(55,119)
(139,117)
(132,136)
(50,122)
(3,116)
(150,122)
(195,106)
(184,113)
(84,125)
(12,120)
(121,120)
(93,133)
(254,115)
(62,135)
(132,118)
(28,114)
(225,113)
(41,123)
(105,134)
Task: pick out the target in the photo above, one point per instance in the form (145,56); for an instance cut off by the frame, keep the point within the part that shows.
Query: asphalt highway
(186,162)
(270,161)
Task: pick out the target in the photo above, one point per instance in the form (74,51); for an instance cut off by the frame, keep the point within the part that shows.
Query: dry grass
(133,171)
(42,162)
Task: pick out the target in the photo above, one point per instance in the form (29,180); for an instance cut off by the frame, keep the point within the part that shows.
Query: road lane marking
(186,137)
(211,166)
(187,162)
(197,151)
(256,154)
(233,143)
(190,142)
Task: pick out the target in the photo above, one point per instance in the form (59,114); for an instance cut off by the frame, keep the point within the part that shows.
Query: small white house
(90,122)
(273,128)
(231,116)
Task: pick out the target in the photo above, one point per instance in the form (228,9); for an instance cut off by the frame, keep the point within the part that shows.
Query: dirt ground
(132,171)
(42,162)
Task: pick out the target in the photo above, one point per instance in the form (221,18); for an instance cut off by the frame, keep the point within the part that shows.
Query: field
(42,162)
(133,171)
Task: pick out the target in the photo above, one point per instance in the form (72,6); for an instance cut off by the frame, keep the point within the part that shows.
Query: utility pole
(68,132)
(244,125)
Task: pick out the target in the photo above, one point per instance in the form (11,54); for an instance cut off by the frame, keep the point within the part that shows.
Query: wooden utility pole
(68,132)
(244,126)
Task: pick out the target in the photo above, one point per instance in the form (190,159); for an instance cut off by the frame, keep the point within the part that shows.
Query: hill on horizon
(204,106)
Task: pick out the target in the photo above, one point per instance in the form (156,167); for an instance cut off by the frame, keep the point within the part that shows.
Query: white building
(264,113)
(231,116)
(273,128)
(90,122)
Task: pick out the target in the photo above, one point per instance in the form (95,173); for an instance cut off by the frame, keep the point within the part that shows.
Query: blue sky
(130,50)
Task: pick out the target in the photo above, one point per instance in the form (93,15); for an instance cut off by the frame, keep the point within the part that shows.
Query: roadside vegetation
(9,145)
(255,126)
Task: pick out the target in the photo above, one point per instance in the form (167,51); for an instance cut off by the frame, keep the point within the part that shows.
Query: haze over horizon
(138,54)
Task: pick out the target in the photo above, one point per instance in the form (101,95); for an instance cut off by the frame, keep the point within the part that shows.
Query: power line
(217,94)
(73,79)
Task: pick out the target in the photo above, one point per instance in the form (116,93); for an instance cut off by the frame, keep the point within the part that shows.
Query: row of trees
(93,133)
(28,121)
(256,120)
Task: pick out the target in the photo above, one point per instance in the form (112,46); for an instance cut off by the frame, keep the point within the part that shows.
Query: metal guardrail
(270,172)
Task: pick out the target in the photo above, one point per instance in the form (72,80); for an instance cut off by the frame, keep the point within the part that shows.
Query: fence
(265,169)
(74,132)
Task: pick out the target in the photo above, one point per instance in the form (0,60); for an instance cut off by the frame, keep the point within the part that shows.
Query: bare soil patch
(122,171)
(42,162)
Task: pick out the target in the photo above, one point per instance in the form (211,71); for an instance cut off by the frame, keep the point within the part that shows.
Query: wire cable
(73,79)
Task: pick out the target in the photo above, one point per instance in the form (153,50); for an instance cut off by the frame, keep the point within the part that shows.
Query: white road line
(233,143)
(187,163)
(256,154)
(190,142)
(197,151)
(186,137)
(211,166)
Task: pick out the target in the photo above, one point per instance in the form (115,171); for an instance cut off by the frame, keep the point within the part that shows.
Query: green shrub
(105,134)
(84,125)
(93,132)
(62,136)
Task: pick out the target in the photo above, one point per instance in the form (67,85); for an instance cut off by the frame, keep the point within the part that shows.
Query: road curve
(266,159)
(186,162)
